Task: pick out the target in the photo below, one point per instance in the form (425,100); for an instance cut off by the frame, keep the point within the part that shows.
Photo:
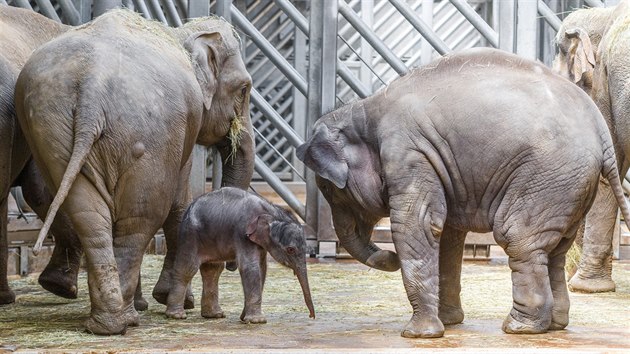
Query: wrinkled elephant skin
(234,225)
(594,45)
(112,111)
(22,32)
(443,152)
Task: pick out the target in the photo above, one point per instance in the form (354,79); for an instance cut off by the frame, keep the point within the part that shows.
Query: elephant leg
(131,238)
(252,280)
(210,273)
(90,216)
(594,273)
(531,289)
(139,302)
(451,257)
(184,269)
(171,228)
(557,279)
(416,228)
(61,273)
(6,295)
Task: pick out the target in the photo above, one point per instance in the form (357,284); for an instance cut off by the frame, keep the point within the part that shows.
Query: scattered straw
(572,260)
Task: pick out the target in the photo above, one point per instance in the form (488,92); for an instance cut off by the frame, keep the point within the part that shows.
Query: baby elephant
(234,225)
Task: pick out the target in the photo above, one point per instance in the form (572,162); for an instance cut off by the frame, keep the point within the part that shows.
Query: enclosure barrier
(354,48)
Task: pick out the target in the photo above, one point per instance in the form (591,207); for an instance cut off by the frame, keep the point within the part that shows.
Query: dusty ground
(357,309)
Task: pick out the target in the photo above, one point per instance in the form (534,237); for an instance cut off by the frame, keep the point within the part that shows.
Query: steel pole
(102,6)
(392,59)
(549,16)
(473,17)
(420,26)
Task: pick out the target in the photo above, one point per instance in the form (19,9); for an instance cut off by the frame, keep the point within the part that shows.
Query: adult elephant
(23,31)
(112,111)
(520,157)
(594,53)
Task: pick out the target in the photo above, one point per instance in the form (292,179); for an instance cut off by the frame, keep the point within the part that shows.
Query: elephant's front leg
(252,271)
(451,257)
(416,228)
(594,273)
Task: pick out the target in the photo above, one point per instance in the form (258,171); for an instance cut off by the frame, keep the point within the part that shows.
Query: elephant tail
(83,141)
(611,173)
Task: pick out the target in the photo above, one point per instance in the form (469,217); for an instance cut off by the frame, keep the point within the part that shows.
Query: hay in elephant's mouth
(354,305)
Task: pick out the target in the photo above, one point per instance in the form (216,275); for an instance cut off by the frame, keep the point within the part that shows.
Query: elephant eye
(244,91)
(291,250)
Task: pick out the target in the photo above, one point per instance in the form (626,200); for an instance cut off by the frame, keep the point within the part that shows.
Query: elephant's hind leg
(531,292)
(451,256)
(557,278)
(131,238)
(594,273)
(90,216)
(210,273)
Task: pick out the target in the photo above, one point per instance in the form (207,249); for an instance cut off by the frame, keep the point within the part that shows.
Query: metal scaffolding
(308,57)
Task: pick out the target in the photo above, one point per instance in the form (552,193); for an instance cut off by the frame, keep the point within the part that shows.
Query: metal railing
(307,57)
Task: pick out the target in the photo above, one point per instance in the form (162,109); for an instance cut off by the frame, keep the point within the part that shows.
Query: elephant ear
(205,51)
(258,230)
(324,155)
(580,57)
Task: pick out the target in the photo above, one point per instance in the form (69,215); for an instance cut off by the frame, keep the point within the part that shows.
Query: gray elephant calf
(480,140)
(231,224)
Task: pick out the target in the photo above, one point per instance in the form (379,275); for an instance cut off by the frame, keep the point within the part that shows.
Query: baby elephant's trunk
(300,272)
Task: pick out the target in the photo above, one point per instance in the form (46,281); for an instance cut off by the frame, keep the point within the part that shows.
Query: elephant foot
(160,295)
(214,312)
(7,297)
(106,324)
(559,320)
(579,283)
(514,326)
(177,313)
(59,281)
(423,327)
(189,302)
(257,318)
(450,315)
(140,304)
(555,326)
(132,317)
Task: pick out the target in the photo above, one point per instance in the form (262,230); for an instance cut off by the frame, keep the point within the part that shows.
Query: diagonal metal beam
(549,16)
(344,72)
(473,17)
(272,53)
(392,59)
(422,27)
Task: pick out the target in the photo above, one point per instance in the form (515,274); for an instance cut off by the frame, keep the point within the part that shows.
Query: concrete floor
(358,310)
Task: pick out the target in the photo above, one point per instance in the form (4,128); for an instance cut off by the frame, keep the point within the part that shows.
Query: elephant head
(283,237)
(349,177)
(578,39)
(214,48)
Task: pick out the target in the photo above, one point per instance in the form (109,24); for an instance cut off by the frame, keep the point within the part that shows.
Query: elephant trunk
(300,272)
(238,156)
(356,240)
